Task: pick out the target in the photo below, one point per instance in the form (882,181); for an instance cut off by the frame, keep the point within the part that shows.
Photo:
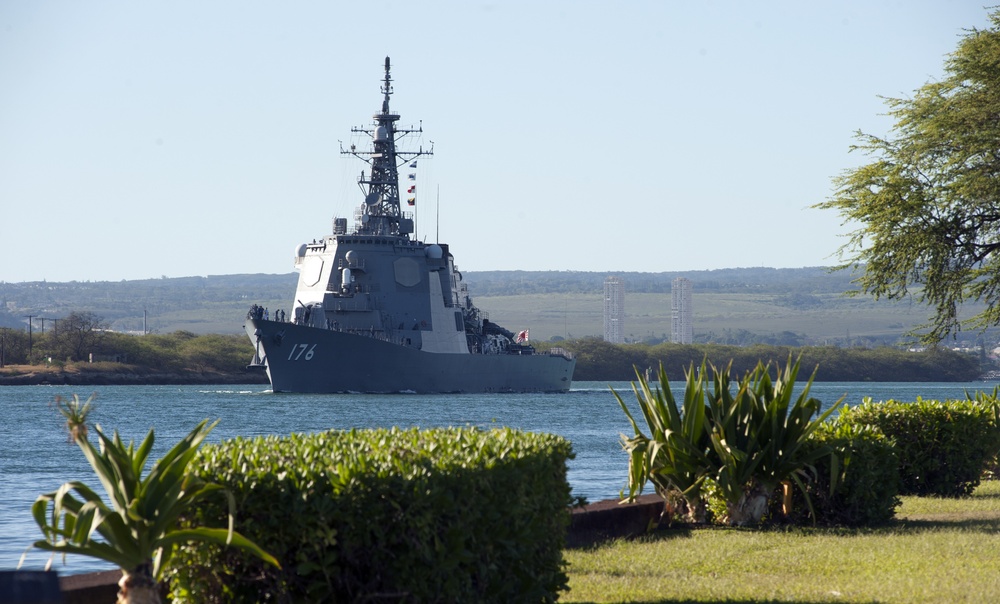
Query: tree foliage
(78,335)
(81,337)
(13,346)
(928,205)
(602,361)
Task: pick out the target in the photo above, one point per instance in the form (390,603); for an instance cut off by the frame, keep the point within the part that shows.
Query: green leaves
(942,446)
(928,205)
(675,455)
(76,414)
(447,514)
(859,484)
(760,436)
(746,440)
(140,524)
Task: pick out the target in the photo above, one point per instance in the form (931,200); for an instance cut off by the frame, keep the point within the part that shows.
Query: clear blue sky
(148,139)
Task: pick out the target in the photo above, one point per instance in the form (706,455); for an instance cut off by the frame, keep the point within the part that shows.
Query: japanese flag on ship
(522,336)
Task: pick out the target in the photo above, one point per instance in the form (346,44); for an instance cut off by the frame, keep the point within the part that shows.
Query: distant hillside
(732,306)
(814,280)
(213,304)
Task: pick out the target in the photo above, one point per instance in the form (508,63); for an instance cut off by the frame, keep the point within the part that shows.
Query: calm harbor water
(35,456)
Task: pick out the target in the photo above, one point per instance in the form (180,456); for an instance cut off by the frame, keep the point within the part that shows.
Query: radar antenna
(381,211)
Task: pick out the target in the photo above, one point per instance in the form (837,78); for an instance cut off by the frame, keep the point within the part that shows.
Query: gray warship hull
(378,309)
(312,360)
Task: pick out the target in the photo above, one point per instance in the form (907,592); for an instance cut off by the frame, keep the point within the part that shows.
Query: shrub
(746,443)
(450,514)
(943,447)
(863,472)
(992,402)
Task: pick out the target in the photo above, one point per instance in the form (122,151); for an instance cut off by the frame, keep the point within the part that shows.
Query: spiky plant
(76,414)
(745,440)
(139,528)
(675,456)
(759,435)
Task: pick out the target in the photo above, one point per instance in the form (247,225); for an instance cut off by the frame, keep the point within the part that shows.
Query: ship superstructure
(377,310)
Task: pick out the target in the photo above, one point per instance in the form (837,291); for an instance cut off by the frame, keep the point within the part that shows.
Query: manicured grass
(939,550)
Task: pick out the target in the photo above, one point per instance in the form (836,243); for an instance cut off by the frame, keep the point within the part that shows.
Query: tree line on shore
(83,338)
(600,360)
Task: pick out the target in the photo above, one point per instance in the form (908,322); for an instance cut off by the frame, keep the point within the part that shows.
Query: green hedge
(443,515)
(943,447)
(864,470)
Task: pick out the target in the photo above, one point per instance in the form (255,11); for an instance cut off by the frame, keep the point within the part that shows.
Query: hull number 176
(303,352)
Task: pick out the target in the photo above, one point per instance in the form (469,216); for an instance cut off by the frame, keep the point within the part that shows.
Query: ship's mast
(381,213)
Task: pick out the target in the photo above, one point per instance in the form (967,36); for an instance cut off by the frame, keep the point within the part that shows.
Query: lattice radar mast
(381,213)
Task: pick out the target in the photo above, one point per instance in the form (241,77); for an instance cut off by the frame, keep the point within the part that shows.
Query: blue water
(36,458)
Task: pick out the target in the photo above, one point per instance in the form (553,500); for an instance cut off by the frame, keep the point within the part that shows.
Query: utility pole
(30,317)
(3,341)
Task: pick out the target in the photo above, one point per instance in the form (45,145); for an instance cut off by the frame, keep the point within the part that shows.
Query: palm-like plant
(675,455)
(759,435)
(76,414)
(747,439)
(140,528)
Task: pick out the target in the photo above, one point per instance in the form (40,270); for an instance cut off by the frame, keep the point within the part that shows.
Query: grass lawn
(939,550)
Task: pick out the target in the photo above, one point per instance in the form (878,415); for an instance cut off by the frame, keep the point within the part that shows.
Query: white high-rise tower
(681,313)
(614,310)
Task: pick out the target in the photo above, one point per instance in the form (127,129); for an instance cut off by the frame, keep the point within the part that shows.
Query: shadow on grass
(593,540)
(989,524)
(730,601)
(981,494)
(985,522)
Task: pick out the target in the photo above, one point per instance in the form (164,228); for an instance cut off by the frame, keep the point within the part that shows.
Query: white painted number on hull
(302,352)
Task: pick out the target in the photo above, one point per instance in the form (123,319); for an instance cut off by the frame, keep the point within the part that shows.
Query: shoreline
(123,377)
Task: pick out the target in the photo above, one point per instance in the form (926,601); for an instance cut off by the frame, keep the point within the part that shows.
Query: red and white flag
(522,336)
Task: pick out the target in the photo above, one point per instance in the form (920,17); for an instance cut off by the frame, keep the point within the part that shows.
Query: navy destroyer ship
(377,310)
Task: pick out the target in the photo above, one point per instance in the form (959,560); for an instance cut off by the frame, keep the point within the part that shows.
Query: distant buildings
(681,313)
(614,310)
